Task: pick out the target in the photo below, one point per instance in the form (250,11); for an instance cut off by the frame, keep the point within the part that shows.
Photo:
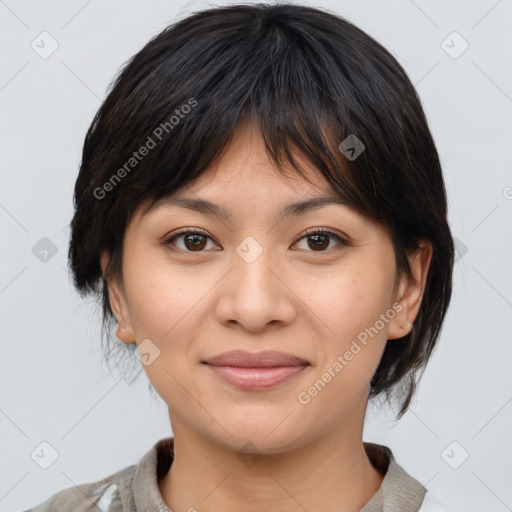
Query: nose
(257,293)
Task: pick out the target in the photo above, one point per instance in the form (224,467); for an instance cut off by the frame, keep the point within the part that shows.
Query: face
(196,285)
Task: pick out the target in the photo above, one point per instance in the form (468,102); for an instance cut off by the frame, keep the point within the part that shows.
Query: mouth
(255,371)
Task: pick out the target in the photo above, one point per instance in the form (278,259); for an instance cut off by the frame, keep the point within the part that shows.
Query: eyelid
(344,240)
(182,231)
(167,240)
(327,231)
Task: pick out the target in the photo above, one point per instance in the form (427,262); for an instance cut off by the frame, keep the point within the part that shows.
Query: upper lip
(267,358)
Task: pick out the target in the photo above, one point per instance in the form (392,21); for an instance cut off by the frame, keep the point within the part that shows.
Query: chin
(267,437)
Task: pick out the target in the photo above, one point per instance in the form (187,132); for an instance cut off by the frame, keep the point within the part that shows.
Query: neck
(330,473)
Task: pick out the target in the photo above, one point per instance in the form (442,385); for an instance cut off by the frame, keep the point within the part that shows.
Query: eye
(320,239)
(194,240)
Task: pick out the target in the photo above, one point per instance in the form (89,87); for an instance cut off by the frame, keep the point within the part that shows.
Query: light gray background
(54,386)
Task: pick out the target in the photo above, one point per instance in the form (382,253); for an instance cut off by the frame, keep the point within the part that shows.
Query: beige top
(135,488)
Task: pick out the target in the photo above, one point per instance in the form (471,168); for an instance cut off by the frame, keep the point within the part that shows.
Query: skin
(196,303)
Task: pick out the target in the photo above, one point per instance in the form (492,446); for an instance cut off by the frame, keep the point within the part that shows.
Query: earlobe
(400,326)
(124,334)
(411,290)
(118,305)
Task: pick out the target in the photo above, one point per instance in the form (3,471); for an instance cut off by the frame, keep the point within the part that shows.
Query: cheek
(353,306)
(168,306)
(347,301)
(163,297)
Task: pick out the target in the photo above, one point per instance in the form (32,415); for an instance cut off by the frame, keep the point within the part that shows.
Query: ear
(410,291)
(118,303)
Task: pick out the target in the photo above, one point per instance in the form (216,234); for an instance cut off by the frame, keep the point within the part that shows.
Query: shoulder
(431,504)
(399,490)
(120,491)
(107,495)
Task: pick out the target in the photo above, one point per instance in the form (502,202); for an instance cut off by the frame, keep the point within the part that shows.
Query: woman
(261,208)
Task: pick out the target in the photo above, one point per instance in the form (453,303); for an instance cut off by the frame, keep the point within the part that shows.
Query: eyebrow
(208,208)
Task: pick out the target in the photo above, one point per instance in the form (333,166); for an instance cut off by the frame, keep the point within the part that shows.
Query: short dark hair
(308,79)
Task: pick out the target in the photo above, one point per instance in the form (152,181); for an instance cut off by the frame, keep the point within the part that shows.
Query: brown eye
(197,241)
(319,240)
(193,241)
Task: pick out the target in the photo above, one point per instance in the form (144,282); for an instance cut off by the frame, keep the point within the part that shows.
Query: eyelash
(315,232)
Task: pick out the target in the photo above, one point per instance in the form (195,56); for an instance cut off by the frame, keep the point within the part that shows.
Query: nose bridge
(253,264)
(250,250)
(255,295)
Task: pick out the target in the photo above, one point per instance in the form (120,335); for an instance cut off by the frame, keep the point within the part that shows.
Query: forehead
(246,167)
(245,177)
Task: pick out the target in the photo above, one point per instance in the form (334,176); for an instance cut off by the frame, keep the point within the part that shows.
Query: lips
(255,371)
(265,359)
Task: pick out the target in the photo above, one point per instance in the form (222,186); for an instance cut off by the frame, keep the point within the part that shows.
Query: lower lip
(256,378)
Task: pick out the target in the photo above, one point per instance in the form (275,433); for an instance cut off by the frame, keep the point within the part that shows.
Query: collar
(399,491)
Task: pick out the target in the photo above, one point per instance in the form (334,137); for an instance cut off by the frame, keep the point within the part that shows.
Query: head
(253,108)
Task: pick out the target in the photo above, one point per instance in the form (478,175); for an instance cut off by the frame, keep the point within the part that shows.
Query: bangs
(187,110)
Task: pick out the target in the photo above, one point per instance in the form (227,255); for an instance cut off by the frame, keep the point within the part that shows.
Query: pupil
(316,237)
(195,243)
